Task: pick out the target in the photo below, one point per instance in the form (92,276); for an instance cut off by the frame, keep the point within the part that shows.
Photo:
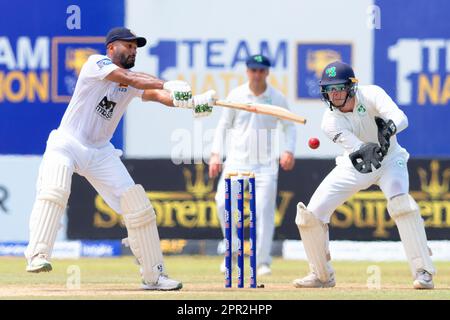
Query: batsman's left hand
(180,92)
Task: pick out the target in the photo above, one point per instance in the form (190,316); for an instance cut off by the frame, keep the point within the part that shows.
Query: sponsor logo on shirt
(361,110)
(401,163)
(336,137)
(104,62)
(105,108)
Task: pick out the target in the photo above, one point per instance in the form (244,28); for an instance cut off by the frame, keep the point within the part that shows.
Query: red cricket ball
(314,143)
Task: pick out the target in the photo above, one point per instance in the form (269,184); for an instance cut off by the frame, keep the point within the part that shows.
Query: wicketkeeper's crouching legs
(314,234)
(405,212)
(55,176)
(143,239)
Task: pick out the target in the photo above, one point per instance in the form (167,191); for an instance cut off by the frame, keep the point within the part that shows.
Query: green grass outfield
(118,278)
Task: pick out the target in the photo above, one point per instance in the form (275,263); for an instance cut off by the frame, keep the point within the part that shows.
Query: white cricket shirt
(97,105)
(351,129)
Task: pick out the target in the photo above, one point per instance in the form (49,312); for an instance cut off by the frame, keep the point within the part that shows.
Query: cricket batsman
(81,144)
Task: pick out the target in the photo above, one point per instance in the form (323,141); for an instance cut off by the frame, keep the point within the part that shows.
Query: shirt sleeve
(289,129)
(388,109)
(136,93)
(97,67)
(340,132)
(225,122)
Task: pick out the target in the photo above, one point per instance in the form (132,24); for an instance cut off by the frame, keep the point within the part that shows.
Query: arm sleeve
(339,132)
(289,129)
(225,122)
(97,67)
(388,109)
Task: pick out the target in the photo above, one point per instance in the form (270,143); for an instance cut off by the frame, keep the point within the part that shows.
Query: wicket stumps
(240,229)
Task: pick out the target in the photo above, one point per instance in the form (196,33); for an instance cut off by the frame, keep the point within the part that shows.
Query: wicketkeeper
(365,122)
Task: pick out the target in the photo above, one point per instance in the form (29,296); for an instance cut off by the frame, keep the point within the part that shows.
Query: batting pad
(405,212)
(143,238)
(315,238)
(51,201)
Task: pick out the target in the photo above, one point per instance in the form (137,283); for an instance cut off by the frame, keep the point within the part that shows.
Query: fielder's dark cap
(125,34)
(258,61)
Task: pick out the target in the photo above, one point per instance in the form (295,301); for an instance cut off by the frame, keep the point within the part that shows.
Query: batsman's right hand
(203,103)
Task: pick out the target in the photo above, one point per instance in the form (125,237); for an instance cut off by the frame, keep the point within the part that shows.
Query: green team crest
(258,59)
(331,72)
(361,110)
(400,163)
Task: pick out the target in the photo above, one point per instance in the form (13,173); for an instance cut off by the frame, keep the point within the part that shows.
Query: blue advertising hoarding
(43,45)
(312,58)
(412,63)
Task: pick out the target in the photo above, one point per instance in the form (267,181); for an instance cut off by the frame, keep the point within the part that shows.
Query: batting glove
(203,103)
(180,92)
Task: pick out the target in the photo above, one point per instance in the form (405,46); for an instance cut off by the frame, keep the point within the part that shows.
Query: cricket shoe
(263,270)
(223,266)
(39,263)
(163,283)
(424,280)
(312,281)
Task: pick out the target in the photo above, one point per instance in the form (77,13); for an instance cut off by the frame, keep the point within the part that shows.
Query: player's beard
(127,61)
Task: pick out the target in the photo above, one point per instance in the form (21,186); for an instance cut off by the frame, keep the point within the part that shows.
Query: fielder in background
(81,144)
(251,141)
(364,121)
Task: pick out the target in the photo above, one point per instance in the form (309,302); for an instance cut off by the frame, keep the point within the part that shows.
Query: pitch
(117,278)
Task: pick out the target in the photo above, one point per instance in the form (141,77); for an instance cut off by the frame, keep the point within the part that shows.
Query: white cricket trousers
(266,191)
(102,167)
(344,181)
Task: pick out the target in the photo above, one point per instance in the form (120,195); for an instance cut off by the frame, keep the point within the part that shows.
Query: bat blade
(260,108)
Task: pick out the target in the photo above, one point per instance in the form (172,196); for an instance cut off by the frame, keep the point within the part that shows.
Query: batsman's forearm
(161,96)
(146,76)
(144,81)
(143,84)
(136,80)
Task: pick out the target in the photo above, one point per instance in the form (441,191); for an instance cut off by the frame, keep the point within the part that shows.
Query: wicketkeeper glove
(368,154)
(385,131)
